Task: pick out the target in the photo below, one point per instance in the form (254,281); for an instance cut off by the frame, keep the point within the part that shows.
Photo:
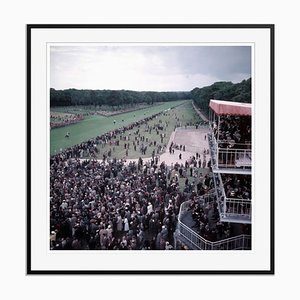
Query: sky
(147,68)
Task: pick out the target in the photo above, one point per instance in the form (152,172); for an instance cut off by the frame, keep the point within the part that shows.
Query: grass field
(93,126)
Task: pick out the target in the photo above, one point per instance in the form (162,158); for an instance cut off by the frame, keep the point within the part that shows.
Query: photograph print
(150,149)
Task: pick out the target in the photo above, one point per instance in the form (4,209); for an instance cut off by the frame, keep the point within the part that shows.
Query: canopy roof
(221,107)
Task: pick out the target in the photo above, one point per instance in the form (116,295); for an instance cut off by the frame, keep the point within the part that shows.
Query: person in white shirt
(149,208)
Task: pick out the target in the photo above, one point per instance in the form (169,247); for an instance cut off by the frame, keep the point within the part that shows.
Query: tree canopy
(111,97)
(223,90)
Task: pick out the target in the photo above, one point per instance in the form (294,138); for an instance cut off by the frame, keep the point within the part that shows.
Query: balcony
(234,210)
(235,159)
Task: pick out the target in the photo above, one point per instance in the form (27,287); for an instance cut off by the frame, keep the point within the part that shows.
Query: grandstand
(223,216)
(230,145)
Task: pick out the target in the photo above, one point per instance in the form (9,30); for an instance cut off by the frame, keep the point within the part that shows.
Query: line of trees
(223,90)
(111,97)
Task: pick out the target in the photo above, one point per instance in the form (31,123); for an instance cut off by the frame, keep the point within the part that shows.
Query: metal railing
(209,197)
(246,145)
(234,158)
(236,209)
(237,157)
(241,242)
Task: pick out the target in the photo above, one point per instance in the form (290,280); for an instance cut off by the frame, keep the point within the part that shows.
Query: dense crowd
(234,130)
(237,189)
(207,220)
(237,186)
(64,120)
(111,205)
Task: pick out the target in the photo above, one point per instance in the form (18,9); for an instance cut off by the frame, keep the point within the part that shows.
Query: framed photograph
(150,149)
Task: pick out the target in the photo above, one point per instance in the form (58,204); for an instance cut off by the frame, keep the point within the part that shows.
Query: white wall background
(14,282)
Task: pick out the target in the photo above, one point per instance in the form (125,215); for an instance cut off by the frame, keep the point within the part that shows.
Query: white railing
(234,158)
(231,208)
(209,197)
(235,210)
(237,157)
(191,236)
(237,207)
(241,242)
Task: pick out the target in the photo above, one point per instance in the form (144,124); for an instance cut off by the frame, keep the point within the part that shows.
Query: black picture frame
(30,28)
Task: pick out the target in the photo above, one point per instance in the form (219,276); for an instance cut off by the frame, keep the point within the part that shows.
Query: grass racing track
(93,126)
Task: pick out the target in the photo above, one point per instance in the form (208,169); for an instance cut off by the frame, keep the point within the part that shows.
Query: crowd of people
(90,148)
(108,204)
(237,190)
(234,131)
(207,220)
(112,205)
(237,186)
(64,120)
(234,142)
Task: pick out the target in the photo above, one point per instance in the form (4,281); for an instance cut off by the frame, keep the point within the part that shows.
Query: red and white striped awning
(221,107)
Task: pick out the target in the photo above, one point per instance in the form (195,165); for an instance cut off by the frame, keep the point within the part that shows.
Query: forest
(111,97)
(223,90)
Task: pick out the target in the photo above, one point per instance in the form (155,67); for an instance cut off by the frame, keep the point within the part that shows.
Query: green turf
(97,125)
